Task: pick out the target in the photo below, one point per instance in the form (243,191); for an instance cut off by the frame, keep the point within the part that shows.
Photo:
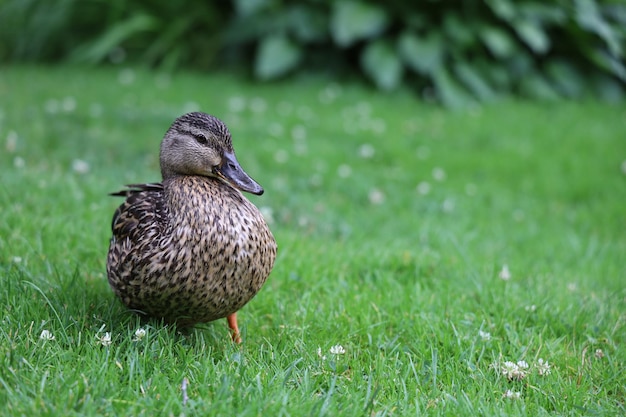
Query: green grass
(394,220)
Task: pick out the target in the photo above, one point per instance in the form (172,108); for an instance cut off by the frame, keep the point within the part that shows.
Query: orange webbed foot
(232,324)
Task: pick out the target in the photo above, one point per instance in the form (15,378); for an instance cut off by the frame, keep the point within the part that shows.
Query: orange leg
(232,323)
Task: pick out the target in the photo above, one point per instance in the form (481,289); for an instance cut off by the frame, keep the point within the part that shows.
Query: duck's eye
(201,138)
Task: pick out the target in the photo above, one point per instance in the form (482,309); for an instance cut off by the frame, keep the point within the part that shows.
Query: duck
(192,248)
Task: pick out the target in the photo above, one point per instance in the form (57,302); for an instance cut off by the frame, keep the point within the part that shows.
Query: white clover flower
(505,274)
(69,104)
(281,156)
(423,188)
(80,167)
(140,333)
(366,151)
(344,171)
(512,395)
(439,174)
(543,367)
(46,335)
(513,370)
(376,196)
(105,340)
(484,336)
(337,350)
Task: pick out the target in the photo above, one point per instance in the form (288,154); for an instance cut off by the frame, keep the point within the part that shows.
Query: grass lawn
(430,262)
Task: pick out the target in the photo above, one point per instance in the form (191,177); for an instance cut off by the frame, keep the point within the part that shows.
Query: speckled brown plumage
(192,248)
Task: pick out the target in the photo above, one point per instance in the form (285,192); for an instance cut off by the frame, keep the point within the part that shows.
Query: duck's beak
(231,172)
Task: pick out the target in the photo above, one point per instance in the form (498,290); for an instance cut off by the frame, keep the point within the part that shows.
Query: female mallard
(192,248)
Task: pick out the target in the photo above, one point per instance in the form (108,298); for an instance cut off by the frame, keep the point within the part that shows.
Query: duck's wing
(143,209)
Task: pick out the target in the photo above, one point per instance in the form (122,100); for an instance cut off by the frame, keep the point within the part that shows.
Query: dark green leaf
(474,81)
(460,32)
(590,18)
(99,49)
(536,86)
(381,63)
(497,75)
(352,21)
(276,56)
(607,88)
(609,63)
(250,7)
(566,78)
(533,35)
(423,55)
(450,92)
(307,24)
(504,9)
(497,41)
(546,13)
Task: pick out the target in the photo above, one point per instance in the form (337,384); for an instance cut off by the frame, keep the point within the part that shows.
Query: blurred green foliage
(456,52)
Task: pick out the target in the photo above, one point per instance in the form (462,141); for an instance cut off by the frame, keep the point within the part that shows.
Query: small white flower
(19,162)
(505,274)
(80,167)
(376,196)
(423,188)
(513,370)
(140,333)
(46,335)
(281,156)
(69,104)
(513,395)
(484,336)
(366,151)
(105,340)
(531,308)
(344,171)
(439,174)
(599,354)
(448,205)
(337,350)
(543,367)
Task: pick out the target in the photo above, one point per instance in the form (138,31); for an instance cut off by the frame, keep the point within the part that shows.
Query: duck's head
(200,144)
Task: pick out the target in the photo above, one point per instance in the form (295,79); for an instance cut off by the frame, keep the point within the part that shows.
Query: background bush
(453,51)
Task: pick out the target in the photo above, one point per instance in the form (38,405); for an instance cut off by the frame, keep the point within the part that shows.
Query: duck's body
(192,248)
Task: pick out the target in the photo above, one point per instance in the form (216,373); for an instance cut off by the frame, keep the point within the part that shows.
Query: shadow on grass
(75,305)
